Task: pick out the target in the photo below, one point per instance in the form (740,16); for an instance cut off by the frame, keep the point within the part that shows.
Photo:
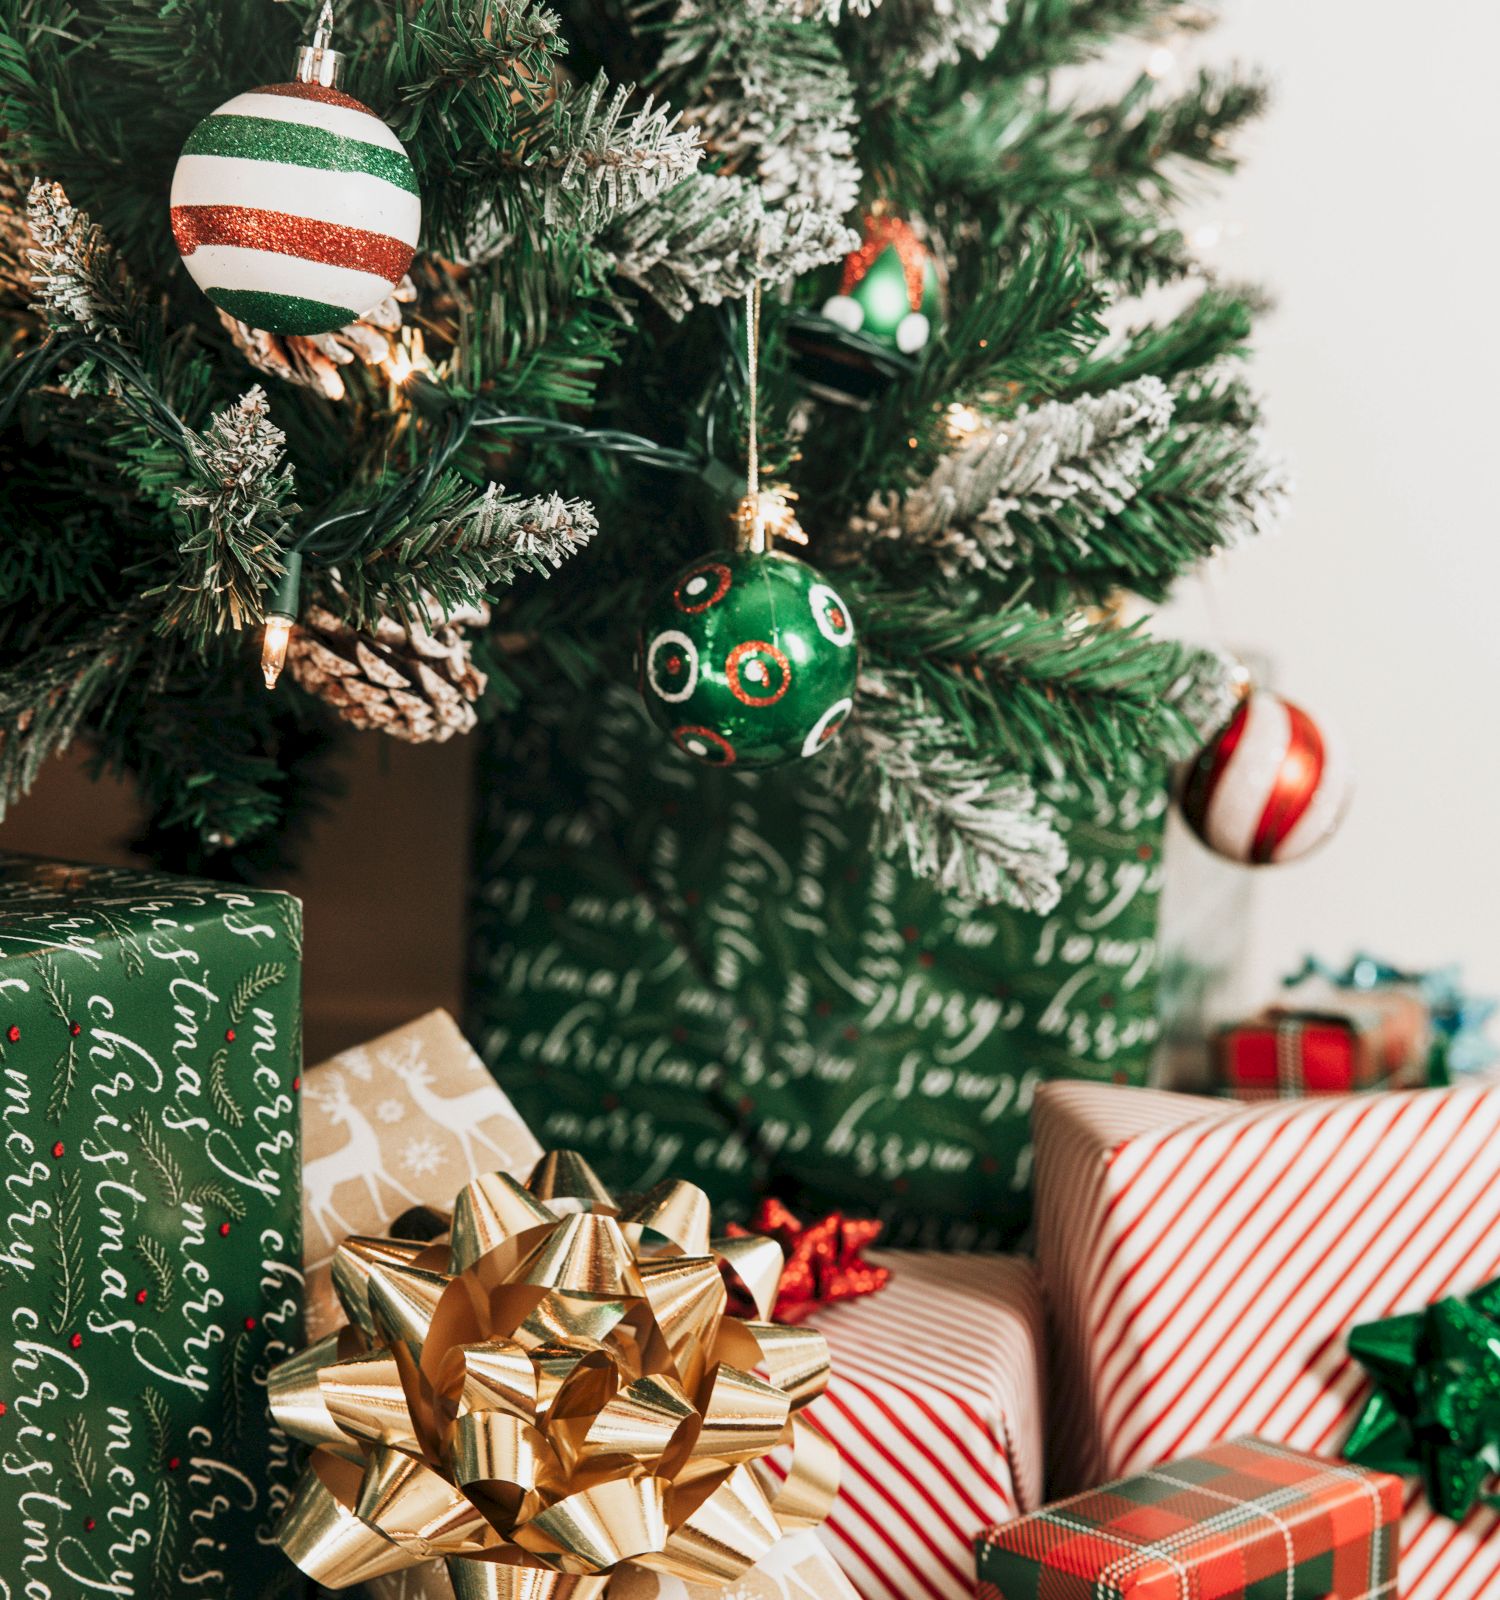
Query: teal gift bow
(1435,1411)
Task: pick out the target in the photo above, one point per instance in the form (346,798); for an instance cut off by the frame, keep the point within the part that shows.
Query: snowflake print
(421,1156)
(390,1111)
(357,1063)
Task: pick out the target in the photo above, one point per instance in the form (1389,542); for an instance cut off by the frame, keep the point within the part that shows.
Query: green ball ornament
(749,659)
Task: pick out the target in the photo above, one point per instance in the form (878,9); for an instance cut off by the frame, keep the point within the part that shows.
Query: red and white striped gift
(935,1404)
(1205,1262)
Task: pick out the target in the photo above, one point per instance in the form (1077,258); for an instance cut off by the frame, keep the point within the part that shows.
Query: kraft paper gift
(402,1122)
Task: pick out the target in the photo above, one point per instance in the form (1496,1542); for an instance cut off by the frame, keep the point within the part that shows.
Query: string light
(963,422)
(281,617)
(1160,62)
(407,358)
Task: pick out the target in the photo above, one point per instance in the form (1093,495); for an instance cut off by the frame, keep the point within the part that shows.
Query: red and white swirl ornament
(1270,786)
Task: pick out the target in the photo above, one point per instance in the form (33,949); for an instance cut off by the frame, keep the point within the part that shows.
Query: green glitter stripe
(297,145)
(281,313)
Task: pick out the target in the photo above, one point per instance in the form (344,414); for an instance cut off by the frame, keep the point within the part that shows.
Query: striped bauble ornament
(1270,786)
(295,208)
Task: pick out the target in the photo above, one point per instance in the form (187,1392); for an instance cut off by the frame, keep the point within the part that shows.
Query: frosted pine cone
(418,685)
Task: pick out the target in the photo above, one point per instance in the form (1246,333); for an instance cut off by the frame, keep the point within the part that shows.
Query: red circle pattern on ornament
(732,671)
(717,740)
(723,578)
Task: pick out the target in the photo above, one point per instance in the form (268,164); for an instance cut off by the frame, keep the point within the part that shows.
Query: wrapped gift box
(935,1405)
(1327,1041)
(1206,1261)
(1238,1521)
(395,1124)
(709,973)
(150,1043)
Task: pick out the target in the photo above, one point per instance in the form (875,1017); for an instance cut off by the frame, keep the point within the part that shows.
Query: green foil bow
(1435,1411)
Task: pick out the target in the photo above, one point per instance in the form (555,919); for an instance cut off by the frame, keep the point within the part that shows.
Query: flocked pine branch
(958,820)
(600,158)
(923,35)
(1210,486)
(711,238)
(477,544)
(236,506)
(1040,691)
(978,506)
(772,96)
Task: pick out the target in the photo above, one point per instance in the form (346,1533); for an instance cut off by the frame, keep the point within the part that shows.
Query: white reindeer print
(460,1114)
(358,1158)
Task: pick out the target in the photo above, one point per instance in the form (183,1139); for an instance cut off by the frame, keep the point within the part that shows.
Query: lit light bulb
(1206,237)
(1160,62)
(277,636)
(281,613)
(963,422)
(406,359)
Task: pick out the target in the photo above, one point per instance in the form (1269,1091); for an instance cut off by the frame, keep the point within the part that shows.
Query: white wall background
(1369,205)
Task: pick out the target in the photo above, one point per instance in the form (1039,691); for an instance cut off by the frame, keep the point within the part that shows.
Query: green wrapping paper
(1435,1408)
(708,974)
(150,1233)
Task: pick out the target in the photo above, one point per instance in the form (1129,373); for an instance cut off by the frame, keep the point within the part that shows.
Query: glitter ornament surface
(749,660)
(295,208)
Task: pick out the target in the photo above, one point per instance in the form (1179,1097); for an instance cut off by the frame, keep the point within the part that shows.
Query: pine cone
(417,684)
(314,362)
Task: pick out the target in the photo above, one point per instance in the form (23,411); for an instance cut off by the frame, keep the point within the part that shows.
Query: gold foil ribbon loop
(553,1390)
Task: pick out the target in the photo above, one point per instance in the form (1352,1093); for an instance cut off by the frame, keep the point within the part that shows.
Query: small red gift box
(1331,1041)
(1238,1521)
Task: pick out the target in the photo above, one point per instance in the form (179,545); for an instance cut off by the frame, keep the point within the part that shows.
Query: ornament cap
(319,62)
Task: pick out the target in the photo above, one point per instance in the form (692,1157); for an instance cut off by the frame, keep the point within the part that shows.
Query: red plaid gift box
(935,1406)
(1246,1520)
(1329,1041)
(1206,1261)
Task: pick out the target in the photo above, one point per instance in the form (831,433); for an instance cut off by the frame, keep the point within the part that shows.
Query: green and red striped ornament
(295,208)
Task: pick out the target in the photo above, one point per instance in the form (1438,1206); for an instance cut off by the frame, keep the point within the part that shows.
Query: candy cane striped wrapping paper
(935,1404)
(1204,1263)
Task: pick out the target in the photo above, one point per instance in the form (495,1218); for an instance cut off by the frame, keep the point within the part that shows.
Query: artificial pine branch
(598,162)
(1065,467)
(711,238)
(771,95)
(479,542)
(237,505)
(975,832)
(1043,692)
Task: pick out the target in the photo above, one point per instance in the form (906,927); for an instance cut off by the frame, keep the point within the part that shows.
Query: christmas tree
(892,221)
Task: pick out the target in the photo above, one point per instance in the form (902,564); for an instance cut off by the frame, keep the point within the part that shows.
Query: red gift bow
(823,1258)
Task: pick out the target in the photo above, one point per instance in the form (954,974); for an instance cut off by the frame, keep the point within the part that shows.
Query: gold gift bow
(553,1389)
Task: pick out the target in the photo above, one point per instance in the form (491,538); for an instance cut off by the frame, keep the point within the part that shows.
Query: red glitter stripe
(314,91)
(1297,782)
(303,237)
